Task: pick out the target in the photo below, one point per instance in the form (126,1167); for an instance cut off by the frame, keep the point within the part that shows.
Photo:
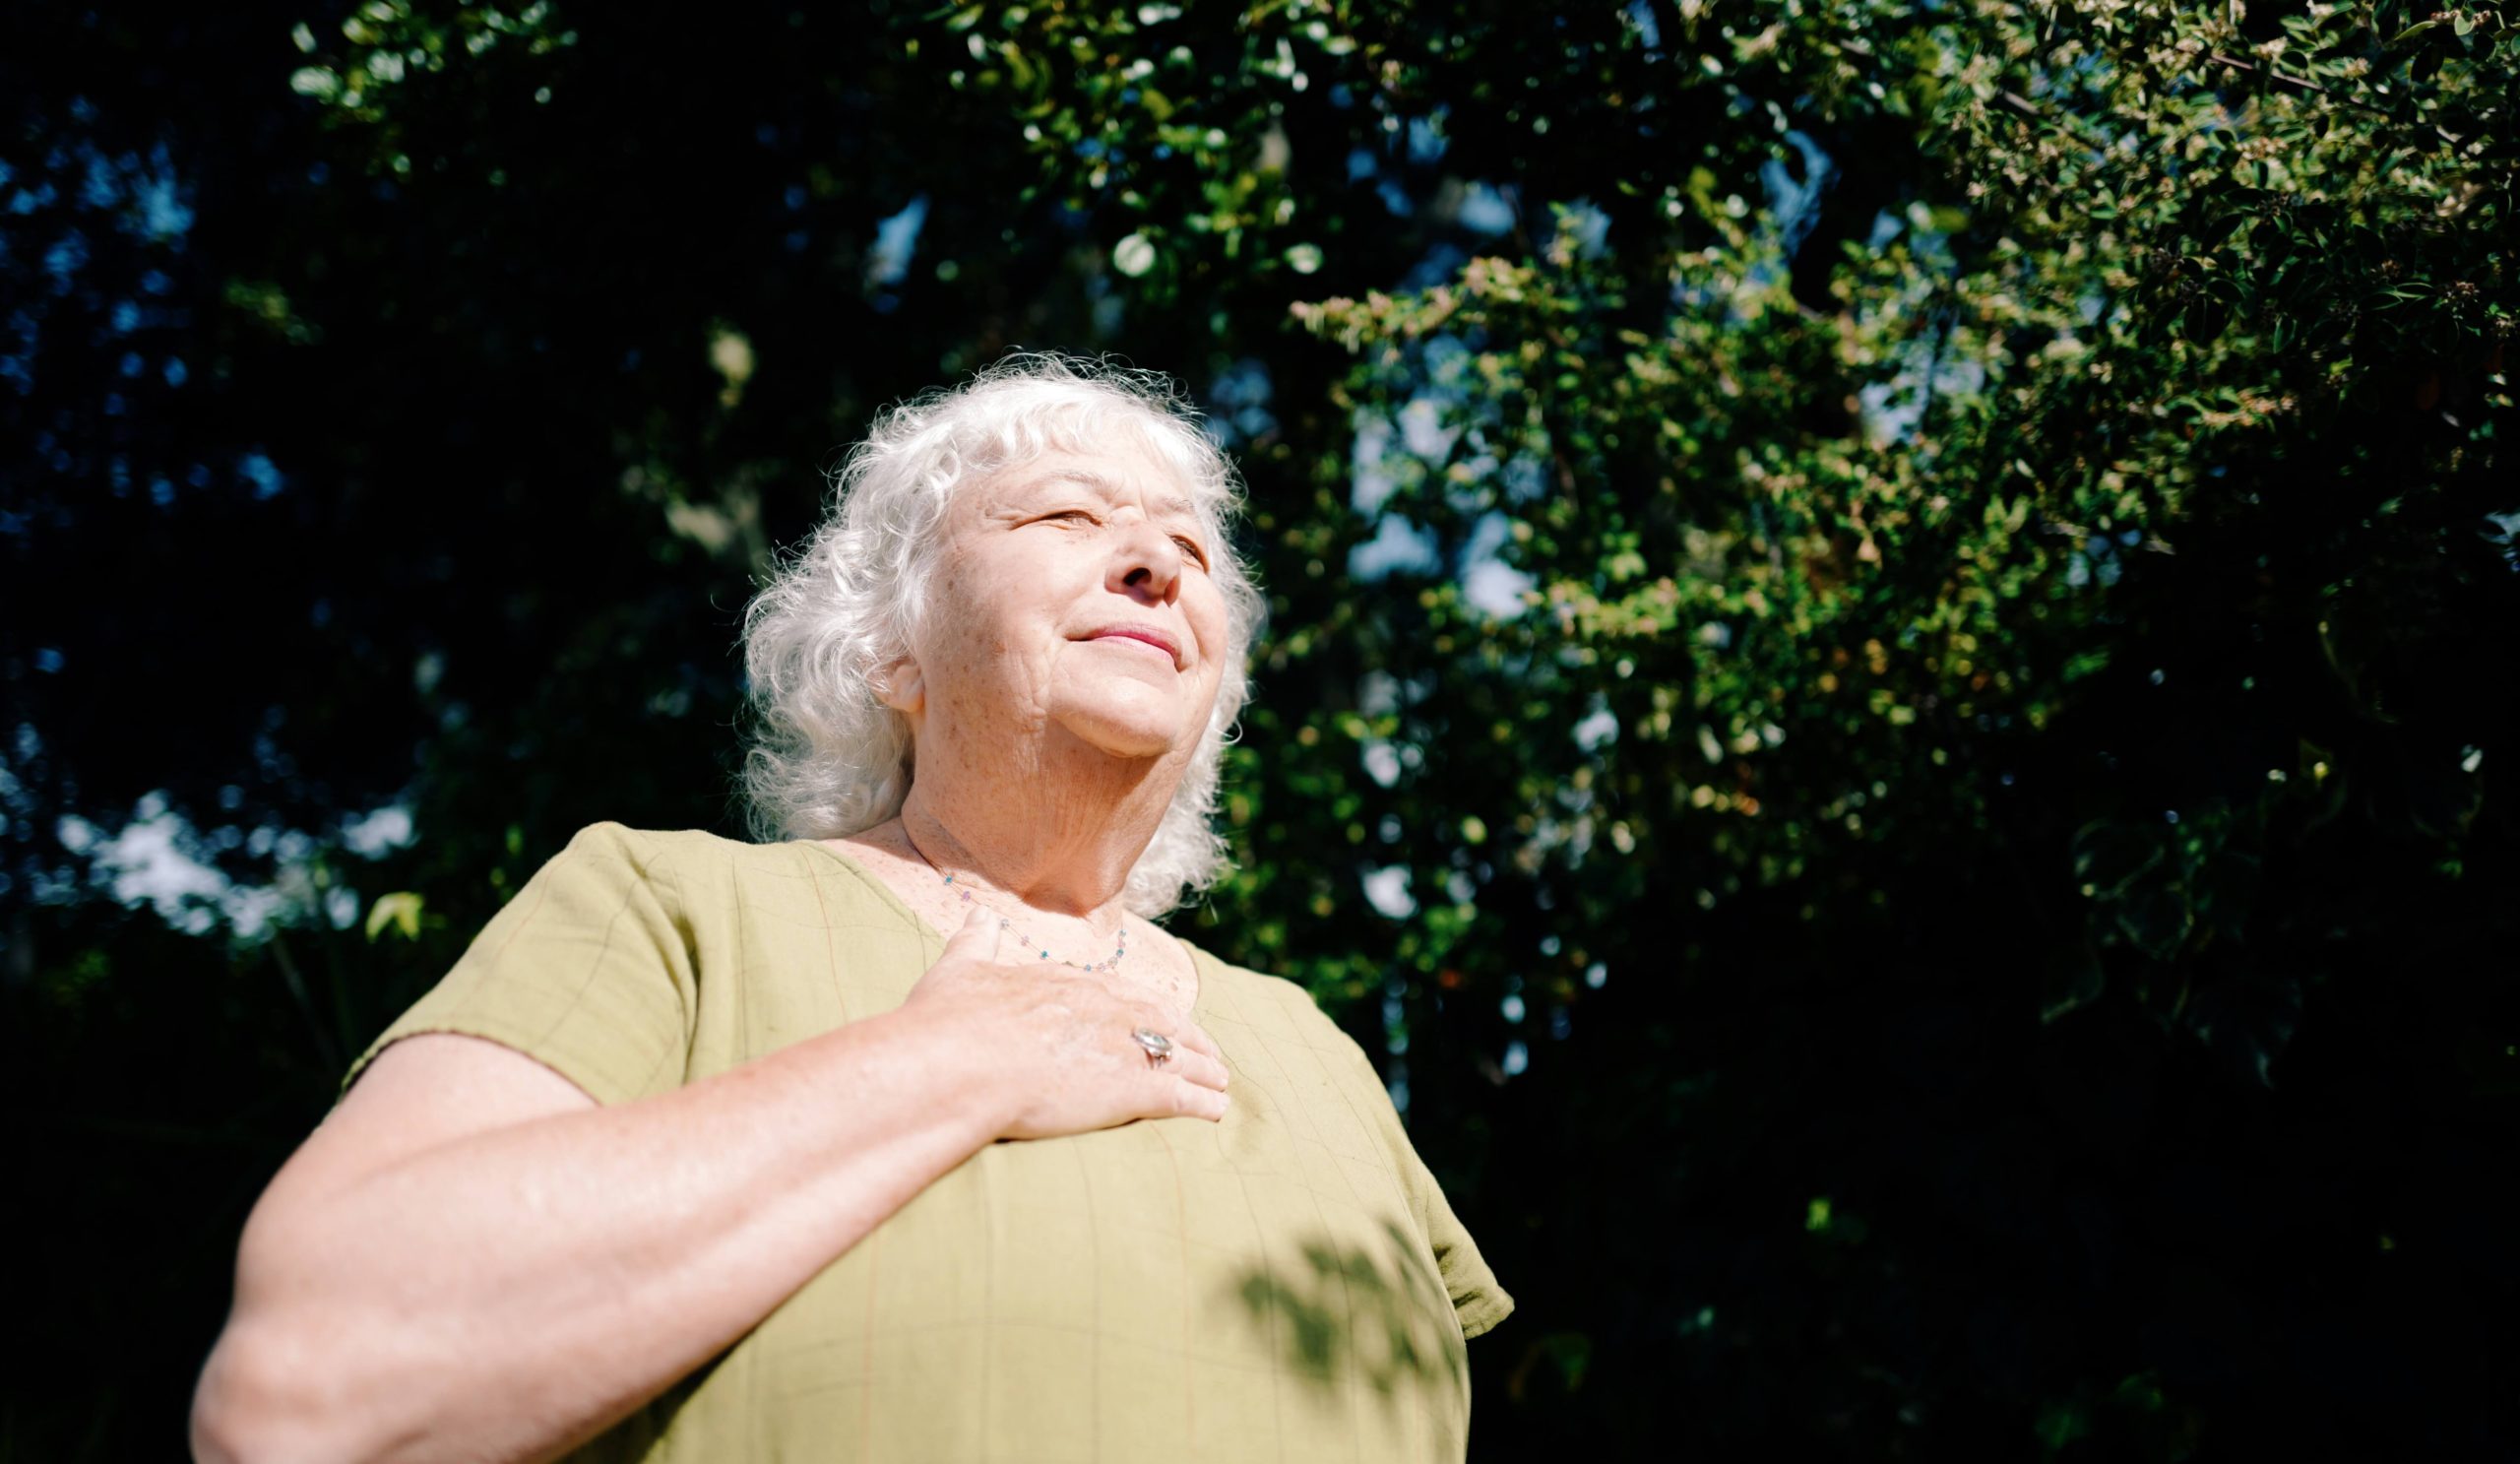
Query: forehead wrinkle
(1111,491)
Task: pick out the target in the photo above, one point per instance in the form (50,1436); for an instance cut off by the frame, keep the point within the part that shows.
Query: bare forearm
(511,1293)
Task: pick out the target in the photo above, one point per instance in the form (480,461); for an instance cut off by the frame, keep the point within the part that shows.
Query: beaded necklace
(965,892)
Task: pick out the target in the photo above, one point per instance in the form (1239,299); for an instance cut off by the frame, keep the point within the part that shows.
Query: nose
(1145,564)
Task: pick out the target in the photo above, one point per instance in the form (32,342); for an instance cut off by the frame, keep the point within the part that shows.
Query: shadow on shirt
(1383,1317)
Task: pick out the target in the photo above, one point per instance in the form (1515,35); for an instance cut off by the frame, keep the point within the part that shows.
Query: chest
(1241,1291)
(1171,1289)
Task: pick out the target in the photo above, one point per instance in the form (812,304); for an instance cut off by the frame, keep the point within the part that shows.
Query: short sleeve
(1478,1301)
(588,970)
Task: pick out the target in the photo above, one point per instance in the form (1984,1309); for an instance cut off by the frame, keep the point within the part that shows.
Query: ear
(902,687)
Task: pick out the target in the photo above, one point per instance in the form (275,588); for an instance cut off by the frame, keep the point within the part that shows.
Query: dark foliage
(1906,613)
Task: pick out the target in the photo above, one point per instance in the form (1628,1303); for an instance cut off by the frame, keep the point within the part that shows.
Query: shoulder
(1247,987)
(1273,1006)
(675,864)
(616,857)
(650,846)
(689,849)
(704,874)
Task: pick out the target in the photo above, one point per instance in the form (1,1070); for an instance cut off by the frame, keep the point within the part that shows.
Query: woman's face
(1073,592)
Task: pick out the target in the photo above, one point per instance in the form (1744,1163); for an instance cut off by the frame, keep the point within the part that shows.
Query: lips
(1148,635)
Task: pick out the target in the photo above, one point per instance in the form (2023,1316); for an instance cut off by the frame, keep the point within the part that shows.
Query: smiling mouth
(1146,638)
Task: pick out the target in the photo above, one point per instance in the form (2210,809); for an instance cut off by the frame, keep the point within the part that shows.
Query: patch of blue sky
(1379,693)
(1397,546)
(1238,403)
(1893,410)
(163,211)
(101,189)
(1931,245)
(1426,140)
(1793,203)
(1484,210)
(1525,479)
(1490,585)
(63,261)
(1589,225)
(1448,360)
(156,200)
(257,469)
(1387,891)
(896,243)
(158,860)
(1402,546)
(379,832)
(1640,15)
(1425,432)
(1369,482)
(1598,728)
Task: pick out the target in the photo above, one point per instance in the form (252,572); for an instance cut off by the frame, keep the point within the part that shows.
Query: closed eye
(1192,546)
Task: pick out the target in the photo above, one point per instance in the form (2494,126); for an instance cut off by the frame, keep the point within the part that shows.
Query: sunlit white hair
(826,758)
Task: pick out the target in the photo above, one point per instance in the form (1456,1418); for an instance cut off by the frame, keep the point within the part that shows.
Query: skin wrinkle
(1045,759)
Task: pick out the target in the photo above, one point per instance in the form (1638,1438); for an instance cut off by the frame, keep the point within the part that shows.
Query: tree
(1883,648)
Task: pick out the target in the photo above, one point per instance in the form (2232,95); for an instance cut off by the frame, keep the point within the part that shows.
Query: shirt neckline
(1202,964)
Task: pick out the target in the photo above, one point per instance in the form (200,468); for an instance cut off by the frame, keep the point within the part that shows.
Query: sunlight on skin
(1051,728)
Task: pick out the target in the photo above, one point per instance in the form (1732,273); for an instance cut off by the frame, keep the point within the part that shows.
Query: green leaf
(401,910)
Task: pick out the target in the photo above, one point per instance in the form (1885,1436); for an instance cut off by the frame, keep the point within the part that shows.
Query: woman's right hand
(1059,1039)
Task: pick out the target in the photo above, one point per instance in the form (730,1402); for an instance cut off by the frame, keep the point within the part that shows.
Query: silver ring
(1157,1045)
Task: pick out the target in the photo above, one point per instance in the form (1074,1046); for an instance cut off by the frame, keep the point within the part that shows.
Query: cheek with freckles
(977,652)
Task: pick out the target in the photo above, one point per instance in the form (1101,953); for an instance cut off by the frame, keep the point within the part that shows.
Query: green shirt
(1285,1284)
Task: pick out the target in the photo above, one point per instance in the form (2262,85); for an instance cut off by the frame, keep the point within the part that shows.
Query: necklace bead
(964,891)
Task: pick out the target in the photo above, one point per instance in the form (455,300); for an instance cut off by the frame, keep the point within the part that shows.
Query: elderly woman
(903,1135)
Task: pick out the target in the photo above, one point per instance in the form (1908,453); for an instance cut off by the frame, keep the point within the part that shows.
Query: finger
(1187,1036)
(1180,1097)
(1198,1068)
(1191,1034)
(978,938)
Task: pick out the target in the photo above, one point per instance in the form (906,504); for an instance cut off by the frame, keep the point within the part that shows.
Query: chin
(1123,736)
(1127,722)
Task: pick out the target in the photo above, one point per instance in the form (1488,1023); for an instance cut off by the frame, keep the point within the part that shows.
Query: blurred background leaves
(1889,629)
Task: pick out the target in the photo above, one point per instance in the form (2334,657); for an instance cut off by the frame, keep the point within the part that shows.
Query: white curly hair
(825,758)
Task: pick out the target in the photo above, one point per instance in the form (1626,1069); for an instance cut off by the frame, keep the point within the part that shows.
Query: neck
(1056,825)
